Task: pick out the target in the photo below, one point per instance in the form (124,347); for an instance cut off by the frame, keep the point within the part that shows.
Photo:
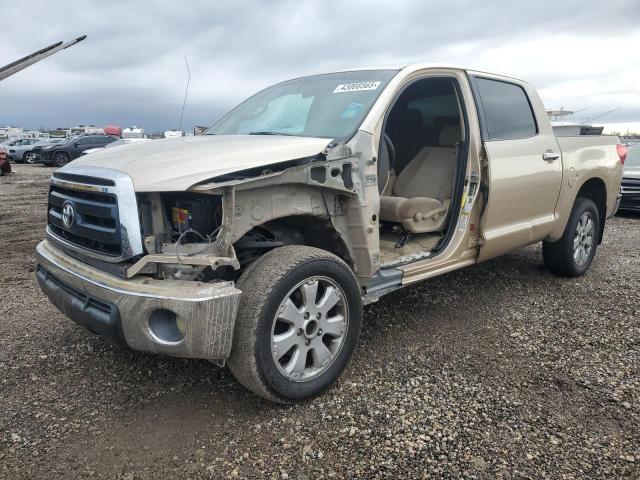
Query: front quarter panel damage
(328,191)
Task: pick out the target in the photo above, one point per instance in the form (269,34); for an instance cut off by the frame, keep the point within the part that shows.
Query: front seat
(422,192)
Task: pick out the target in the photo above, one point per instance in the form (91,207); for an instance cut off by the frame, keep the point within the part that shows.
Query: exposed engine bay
(186,226)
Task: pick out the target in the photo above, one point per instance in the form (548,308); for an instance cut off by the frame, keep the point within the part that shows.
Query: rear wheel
(60,159)
(28,157)
(573,253)
(298,323)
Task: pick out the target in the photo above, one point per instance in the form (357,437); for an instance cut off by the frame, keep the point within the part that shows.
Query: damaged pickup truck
(257,243)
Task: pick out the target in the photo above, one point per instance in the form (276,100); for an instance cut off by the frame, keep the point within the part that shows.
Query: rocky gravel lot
(496,371)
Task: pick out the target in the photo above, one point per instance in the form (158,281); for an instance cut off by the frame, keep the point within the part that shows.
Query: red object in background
(114,130)
(5,166)
(622,152)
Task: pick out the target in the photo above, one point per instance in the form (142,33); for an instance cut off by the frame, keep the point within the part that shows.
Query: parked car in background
(631,180)
(122,141)
(17,148)
(62,153)
(33,154)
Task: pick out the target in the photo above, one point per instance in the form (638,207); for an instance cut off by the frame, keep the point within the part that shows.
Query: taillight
(622,152)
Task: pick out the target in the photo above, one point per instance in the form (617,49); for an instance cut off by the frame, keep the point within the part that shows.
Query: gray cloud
(130,70)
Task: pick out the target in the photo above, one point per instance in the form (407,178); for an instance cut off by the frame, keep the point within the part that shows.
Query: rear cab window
(504,109)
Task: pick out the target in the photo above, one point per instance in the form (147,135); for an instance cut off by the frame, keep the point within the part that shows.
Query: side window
(85,140)
(507,111)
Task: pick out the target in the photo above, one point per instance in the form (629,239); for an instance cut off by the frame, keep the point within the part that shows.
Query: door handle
(550,156)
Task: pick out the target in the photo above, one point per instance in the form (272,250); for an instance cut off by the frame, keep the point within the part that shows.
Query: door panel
(524,168)
(523,192)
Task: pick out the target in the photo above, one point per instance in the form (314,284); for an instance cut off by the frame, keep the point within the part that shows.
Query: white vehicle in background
(36,134)
(122,141)
(11,132)
(173,133)
(133,132)
(84,129)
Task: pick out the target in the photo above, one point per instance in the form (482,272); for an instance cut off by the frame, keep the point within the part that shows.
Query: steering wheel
(391,149)
(386,159)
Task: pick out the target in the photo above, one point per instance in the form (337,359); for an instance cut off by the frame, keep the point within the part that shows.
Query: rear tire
(572,255)
(60,159)
(280,351)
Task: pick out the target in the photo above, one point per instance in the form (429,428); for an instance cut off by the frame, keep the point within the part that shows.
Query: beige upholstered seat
(421,194)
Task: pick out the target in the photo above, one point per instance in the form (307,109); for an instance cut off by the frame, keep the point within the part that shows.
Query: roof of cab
(412,67)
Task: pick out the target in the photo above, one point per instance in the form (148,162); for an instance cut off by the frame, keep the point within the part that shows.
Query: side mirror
(75,144)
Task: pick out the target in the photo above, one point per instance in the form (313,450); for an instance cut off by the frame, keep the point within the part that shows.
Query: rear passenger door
(82,144)
(523,165)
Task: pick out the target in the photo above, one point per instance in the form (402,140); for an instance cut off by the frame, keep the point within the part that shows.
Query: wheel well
(596,190)
(306,230)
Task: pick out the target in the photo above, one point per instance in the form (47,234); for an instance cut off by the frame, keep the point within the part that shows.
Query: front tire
(572,255)
(298,323)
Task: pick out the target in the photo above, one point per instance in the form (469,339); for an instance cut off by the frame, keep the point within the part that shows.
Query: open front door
(523,167)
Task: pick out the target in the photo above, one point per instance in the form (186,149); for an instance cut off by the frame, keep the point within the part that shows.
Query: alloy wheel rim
(309,329)
(583,239)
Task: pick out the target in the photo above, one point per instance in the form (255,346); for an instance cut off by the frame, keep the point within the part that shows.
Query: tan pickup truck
(257,243)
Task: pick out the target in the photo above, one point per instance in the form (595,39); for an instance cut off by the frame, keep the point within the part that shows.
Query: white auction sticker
(356,87)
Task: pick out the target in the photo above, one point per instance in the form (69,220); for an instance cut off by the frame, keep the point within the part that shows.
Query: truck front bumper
(171,317)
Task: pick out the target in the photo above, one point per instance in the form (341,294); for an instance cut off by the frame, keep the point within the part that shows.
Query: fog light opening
(165,327)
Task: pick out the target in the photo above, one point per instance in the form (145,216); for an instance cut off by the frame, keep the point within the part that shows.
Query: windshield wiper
(273,133)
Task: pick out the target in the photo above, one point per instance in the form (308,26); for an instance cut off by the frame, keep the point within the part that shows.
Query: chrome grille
(95,226)
(630,185)
(103,204)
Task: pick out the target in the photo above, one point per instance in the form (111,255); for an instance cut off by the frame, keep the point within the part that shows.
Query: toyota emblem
(68,214)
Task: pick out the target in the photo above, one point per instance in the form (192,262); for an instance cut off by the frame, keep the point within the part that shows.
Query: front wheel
(298,323)
(573,253)
(60,159)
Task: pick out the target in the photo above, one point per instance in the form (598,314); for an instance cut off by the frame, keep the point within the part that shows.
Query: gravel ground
(500,370)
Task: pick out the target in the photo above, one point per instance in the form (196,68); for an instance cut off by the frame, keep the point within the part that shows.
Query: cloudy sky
(130,70)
